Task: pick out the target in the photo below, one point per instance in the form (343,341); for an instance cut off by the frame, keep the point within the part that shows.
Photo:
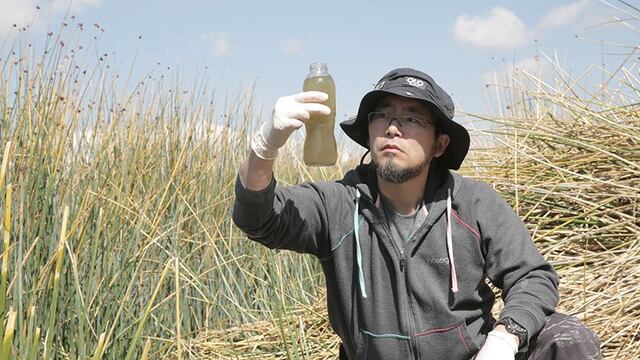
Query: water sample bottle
(320,144)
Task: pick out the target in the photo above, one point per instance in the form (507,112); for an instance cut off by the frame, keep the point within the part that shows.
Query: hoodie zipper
(403,269)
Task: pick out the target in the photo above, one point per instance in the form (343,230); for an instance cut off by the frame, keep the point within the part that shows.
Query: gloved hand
(289,114)
(498,346)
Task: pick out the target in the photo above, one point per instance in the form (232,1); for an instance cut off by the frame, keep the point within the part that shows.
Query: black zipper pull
(403,263)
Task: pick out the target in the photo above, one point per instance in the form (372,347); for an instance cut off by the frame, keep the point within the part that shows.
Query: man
(405,244)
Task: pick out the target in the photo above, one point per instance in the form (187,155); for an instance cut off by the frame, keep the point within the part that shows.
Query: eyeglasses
(379,118)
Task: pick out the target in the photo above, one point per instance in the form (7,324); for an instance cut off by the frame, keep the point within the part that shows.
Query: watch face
(515,329)
(516,326)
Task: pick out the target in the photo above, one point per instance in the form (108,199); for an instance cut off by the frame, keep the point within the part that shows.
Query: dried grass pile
(571,168)
(302,333)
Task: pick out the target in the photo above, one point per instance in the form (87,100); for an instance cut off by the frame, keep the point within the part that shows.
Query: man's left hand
(499,345)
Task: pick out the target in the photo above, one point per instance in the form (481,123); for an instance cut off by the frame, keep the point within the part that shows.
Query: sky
(270,44)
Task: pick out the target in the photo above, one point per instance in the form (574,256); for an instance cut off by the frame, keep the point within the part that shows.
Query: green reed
(121,237)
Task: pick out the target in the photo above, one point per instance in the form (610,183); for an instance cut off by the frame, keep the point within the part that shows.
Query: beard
(389,171)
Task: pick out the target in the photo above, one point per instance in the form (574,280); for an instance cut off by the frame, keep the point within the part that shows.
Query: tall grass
(118,238)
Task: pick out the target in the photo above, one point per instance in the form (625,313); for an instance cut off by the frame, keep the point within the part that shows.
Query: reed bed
(115,198)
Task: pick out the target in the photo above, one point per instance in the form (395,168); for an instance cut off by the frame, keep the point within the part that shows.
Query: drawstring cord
(454,277)
(356,230)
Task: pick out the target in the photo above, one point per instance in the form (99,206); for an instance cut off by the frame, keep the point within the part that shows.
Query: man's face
(402,138)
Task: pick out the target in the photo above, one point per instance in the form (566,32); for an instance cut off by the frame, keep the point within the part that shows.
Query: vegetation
(118,242)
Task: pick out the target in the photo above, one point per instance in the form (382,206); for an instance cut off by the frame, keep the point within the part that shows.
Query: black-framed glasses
(379,118)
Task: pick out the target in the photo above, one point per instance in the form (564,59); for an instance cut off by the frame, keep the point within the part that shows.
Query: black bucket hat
(413,84)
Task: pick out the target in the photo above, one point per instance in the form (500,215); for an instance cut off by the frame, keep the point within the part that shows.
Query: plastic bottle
(320,144)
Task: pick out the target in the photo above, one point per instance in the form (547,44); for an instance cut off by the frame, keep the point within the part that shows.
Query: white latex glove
(498,346)
(289,114)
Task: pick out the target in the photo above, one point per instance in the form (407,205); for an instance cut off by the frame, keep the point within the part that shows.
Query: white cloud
(219,42)
(563,15)
(26,13)
(500,29)
(293,45)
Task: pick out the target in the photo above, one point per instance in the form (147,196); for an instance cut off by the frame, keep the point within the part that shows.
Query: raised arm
(294,217)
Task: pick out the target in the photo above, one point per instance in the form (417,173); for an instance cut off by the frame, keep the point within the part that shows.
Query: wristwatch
(514,328)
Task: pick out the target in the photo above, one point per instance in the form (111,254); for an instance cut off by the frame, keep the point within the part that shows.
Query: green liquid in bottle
(320,144)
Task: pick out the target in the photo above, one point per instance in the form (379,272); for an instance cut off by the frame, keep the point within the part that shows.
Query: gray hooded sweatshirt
(428,300)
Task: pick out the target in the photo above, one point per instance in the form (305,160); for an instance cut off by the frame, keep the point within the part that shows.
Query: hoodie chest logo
(442,260)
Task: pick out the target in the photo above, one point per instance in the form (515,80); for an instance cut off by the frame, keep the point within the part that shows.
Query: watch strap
(514,328)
